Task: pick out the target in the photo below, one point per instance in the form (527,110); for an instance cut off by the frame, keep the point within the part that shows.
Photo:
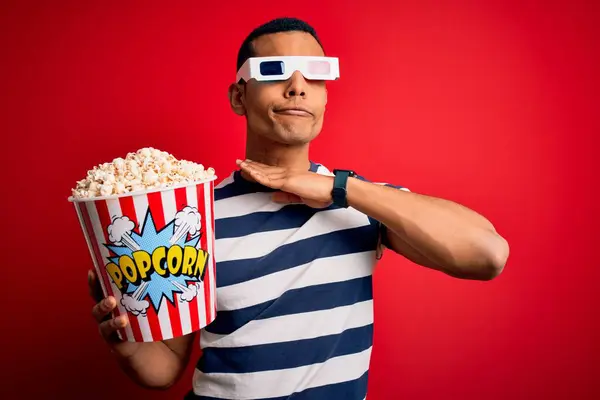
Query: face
(288,112)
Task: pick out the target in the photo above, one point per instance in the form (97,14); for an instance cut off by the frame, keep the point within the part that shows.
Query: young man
(296,246)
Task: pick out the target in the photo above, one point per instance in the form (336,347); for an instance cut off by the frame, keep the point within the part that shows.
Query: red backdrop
(487,103)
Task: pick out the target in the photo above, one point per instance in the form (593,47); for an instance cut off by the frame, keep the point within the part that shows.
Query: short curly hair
(274,26)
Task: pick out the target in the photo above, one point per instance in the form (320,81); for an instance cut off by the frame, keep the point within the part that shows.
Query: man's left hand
(293,186)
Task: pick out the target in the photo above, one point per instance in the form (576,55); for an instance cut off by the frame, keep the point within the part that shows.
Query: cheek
(319,94)
(261,100)
(320,104)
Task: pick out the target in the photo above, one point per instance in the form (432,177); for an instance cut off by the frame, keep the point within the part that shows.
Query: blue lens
(270,68)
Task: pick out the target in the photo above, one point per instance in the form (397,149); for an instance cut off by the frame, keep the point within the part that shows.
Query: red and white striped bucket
(154,252)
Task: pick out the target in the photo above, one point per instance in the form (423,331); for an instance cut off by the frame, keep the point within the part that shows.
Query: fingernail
(122,321)
(108,303)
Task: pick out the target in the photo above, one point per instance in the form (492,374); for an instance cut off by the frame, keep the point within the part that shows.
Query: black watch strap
(339,192)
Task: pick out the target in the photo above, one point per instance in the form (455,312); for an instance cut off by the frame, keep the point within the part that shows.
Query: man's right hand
(156,364)
(107,325)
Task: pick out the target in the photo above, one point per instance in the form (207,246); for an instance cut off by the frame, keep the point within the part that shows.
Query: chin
(296,134)
(292,138)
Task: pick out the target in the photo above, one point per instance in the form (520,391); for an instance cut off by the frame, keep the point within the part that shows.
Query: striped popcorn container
(154,252)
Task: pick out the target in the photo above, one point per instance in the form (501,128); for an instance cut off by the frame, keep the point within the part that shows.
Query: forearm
(154,366)
(458,240)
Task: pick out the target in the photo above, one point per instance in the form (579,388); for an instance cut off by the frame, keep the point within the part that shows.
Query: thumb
(286,198)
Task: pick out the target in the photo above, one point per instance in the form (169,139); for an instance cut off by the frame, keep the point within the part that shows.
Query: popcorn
(150,178)
(106,189)
(147,168)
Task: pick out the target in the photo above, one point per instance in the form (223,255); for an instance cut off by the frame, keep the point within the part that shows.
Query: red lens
(319,67)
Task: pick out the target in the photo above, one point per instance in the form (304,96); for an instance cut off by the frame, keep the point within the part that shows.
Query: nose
(296,85)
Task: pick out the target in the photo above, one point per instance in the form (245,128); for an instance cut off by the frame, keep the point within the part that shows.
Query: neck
(265,151)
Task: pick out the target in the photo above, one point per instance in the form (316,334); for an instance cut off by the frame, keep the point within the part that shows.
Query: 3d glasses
(282,68)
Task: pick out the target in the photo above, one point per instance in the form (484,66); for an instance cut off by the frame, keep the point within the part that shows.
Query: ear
(236,98)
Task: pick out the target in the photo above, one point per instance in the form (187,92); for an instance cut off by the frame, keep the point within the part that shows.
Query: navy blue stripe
(314,167)
(291,216)
(312,298)
(350,390)
(347,241)
(238,187)
(241,186)
(269,357)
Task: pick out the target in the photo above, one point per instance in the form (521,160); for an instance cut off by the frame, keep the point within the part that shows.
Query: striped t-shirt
(294,299)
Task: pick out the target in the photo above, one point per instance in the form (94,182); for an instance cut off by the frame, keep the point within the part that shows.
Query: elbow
(496,253)
(486,261)
(158,382)
(157,386)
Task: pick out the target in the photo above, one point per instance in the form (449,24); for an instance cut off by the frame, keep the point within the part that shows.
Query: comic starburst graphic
(149,239)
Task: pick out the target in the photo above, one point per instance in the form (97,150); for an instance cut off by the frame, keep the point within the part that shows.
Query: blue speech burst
(150,239)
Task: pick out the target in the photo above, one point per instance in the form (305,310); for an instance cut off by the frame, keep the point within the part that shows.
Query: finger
(272,181)
(108,328)
(269,176)
(267,169)
(102,308)
(271,172)
(254,173)
(94,286)
(286,198)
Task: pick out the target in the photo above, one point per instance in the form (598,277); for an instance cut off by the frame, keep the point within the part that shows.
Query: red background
(491,104)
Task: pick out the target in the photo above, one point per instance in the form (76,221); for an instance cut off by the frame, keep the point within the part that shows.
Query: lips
(296,111)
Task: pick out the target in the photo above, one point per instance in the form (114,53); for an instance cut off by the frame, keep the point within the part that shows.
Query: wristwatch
(339,192)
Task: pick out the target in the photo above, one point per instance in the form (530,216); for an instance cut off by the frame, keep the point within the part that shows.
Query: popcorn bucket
(154,252)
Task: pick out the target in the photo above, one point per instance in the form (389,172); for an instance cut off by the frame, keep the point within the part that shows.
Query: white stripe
(281,382)
(227,181)
(93,213)
(88,240)
(140,205)
(320,271)
(210,243)
(184,314)
(292,327)
(192,200)
(145,328)
(260,244)
(169,204)
(246,204)
(114,210)
(164,320)
(322,170)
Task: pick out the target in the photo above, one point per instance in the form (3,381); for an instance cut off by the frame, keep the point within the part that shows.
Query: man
(296,246)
